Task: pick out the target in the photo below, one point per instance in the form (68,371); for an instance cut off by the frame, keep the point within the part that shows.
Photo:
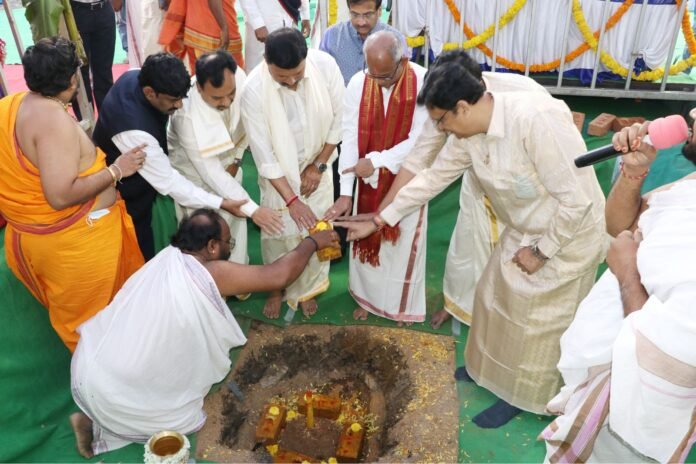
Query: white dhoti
(144,24)
(475,234)
(145,363)
(314,280)
(396,288)
(647,359)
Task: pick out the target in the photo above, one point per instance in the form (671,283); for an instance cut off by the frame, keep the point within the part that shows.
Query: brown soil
(398,382)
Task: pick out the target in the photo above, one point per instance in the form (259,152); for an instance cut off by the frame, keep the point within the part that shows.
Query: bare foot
(404,323)
(309,307)
(360,314)
(439,318)
(272,307)
(82,426)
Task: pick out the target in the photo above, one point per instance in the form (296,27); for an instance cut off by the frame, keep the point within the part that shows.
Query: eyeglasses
(381,78)
(366,16)
(441,118)
(231,242)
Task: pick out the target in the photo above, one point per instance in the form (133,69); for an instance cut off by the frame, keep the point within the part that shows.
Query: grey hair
(396,48)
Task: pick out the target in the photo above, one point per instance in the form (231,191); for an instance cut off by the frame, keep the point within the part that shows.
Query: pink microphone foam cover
(668,131)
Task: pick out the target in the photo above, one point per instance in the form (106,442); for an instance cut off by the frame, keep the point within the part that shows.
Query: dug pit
(395,384)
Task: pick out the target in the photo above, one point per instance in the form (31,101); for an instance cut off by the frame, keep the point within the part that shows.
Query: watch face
(322,167)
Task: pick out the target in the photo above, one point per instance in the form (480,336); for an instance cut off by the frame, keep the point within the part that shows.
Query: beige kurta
(477,229)
(524,164)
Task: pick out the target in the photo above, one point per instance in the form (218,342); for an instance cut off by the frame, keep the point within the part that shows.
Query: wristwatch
(538,253)
(321,167)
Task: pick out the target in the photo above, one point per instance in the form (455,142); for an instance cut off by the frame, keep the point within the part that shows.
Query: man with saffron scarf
(193,28)
(380,125)
(68,238)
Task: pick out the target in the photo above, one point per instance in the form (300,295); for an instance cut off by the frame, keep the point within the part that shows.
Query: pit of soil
(398,382)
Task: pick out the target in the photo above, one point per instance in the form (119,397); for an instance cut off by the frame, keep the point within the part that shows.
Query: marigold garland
(415,42)
(333,12)
(616,68)
(477,40)
(613,20)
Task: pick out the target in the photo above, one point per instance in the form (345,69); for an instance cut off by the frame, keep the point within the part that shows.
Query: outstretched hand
(356,229)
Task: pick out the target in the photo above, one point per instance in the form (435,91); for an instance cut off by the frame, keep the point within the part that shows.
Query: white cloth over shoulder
(651,353)
(145,363)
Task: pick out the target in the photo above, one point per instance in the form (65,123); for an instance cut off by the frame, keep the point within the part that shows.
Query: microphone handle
(597,155)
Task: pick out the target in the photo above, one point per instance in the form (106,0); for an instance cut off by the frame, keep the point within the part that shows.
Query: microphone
(662,133)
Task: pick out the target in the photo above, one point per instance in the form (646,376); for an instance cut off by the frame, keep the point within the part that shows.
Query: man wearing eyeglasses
(381,122)
(520,147)
(344,41)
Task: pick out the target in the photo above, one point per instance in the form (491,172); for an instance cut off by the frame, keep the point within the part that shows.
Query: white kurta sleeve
(211,169)
(349,147)
(259,135)
(337,86)
(159,173)
(426,147)
(304,9)
(394,157)
(552,147)
(252,14)
(427,185)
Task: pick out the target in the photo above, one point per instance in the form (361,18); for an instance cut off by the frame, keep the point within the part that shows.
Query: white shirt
(208,172)
(269,14)
(159,173)
(390,158)
(294,106)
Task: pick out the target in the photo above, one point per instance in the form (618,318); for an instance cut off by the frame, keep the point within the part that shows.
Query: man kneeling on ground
(145,363)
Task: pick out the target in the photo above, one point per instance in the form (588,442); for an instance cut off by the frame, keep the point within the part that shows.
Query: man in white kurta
(291,110)
(206,142)
(145,362)
(520,148)
(263,17)
(477,229)
(628,359)
(393,284)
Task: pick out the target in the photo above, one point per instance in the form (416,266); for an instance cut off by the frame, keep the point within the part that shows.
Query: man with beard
(134,114)
(145,363)
(628,359)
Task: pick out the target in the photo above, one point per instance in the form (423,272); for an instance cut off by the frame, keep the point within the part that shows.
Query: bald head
(383,45)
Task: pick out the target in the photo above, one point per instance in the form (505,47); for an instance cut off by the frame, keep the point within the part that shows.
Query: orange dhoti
(190,30)
(73,260)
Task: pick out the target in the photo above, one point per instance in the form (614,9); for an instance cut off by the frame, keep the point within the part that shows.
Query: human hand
(117,5)
(356,229)
(132,160)
(638,155)
(364,217)
(233,207)
(261,33)
(268,220)
(310,178)
(622,255)
(302,215)
(342,206)
(527,261)
(364,168)
(224,37)
(326,239)
(306,28)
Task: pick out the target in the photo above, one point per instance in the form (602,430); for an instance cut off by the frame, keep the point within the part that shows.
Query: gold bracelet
(120,173)
(113,176)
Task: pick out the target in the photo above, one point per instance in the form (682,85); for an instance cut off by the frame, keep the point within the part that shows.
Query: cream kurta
(477,229)
(203,157)
(396,288)
(304,116)
(524,164)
